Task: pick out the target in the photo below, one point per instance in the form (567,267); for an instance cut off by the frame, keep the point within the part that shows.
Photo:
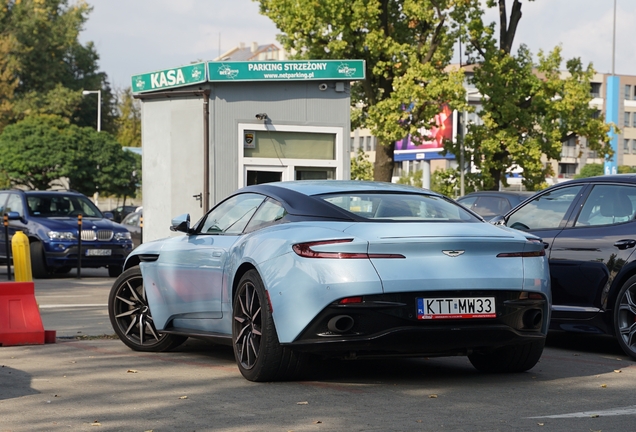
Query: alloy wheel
(248,325)
(132,314)
(626,319)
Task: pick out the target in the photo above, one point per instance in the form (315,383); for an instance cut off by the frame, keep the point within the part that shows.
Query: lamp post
(462,167)
(99,106)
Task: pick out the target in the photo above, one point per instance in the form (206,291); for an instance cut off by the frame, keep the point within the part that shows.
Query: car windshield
(400,206)
(59,205)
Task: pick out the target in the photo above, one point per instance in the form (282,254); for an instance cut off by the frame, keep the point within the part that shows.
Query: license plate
(98,252)
(456,308)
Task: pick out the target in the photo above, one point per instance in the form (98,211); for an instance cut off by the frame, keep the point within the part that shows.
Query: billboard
(431,139)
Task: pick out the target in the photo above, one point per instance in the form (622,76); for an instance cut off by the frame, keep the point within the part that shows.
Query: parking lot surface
(88,381)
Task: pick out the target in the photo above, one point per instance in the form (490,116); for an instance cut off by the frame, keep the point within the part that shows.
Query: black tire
(625,317)
(514,358)
(115,270)
(257,351)
(130,316)
(38,264)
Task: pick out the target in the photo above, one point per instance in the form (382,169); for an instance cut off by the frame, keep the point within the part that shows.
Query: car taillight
(305,250)
(539,253)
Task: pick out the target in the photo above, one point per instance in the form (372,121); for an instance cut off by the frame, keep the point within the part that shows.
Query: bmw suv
(50,221)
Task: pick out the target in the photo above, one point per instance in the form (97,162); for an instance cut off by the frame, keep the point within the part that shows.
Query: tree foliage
(129,119)
(594,169)
(361,167)
(48,63)
(529,109)
(39,152)
(406,46)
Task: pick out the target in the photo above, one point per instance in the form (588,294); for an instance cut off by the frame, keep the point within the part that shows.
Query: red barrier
(20,321)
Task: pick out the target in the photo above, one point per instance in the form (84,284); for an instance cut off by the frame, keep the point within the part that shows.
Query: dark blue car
(50,220)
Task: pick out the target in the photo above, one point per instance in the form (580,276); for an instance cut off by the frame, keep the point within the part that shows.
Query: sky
(140,36)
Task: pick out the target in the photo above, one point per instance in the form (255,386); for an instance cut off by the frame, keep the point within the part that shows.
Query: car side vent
(148,257)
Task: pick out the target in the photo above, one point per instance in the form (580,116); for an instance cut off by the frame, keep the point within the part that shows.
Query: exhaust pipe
(532,318)
(340,324)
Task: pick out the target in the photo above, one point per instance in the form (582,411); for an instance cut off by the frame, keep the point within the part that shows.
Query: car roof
(45,192)
(616,178)
(523,194)
(319,187)
(300,196)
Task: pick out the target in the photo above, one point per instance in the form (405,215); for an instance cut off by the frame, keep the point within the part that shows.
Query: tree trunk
(383,167)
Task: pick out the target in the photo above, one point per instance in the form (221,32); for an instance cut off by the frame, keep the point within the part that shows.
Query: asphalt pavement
(88,381)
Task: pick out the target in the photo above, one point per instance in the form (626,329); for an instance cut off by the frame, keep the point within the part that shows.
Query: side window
(133,220)
(270,212)
(232,215)
(468,202)
(3,199)
(492,206)
(546,211)
(607,205)
(14,204)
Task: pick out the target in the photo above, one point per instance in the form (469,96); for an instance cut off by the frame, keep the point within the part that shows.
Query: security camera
(322,87)
(261,116)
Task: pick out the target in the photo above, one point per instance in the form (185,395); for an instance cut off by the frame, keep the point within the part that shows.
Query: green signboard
(169,78)
(349,70)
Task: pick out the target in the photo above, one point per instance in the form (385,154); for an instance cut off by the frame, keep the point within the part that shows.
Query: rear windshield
(47,205)
(398,206)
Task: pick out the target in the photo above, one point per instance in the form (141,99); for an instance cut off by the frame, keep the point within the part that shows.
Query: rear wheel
(130,315)
(258,353)
(625,317)
(515,358)
(38,264)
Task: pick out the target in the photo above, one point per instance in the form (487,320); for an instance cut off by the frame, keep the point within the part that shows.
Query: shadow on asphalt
(585,343)
(569,355)
(15,383)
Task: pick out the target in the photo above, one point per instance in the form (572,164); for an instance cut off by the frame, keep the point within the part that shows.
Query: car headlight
(61,235)
(123,236)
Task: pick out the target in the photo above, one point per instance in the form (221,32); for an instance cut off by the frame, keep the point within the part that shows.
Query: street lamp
(99,106)
(462,167)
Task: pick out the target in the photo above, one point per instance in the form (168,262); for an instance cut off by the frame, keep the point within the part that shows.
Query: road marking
(71,306)
(630,410)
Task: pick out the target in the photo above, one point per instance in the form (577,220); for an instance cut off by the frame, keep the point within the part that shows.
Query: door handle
(625,244)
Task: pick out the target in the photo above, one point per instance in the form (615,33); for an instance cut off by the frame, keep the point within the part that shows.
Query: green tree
(50,65)
(8,78)
(447,182)
(590,170)
(528,109)
(412,178)
(406,46)
(129,119)
(44,151)
(361,167)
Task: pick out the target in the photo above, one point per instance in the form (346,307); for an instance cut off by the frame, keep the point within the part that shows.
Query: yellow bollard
(21,257)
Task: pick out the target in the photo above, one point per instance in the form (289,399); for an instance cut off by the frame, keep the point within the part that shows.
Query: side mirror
(181,223)
(13,215)
(109,215)
(498,220)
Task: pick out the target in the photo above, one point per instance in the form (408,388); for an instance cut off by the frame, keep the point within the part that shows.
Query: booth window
(292,145)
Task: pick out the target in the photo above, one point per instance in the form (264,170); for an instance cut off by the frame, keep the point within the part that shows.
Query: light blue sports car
(293,271)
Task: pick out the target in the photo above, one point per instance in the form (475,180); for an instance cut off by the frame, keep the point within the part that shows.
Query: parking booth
(209,128)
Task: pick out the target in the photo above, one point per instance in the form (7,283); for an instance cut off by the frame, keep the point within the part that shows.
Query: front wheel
(131,318)
(515,358)
(625,317)
(38,263)
(258,353)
